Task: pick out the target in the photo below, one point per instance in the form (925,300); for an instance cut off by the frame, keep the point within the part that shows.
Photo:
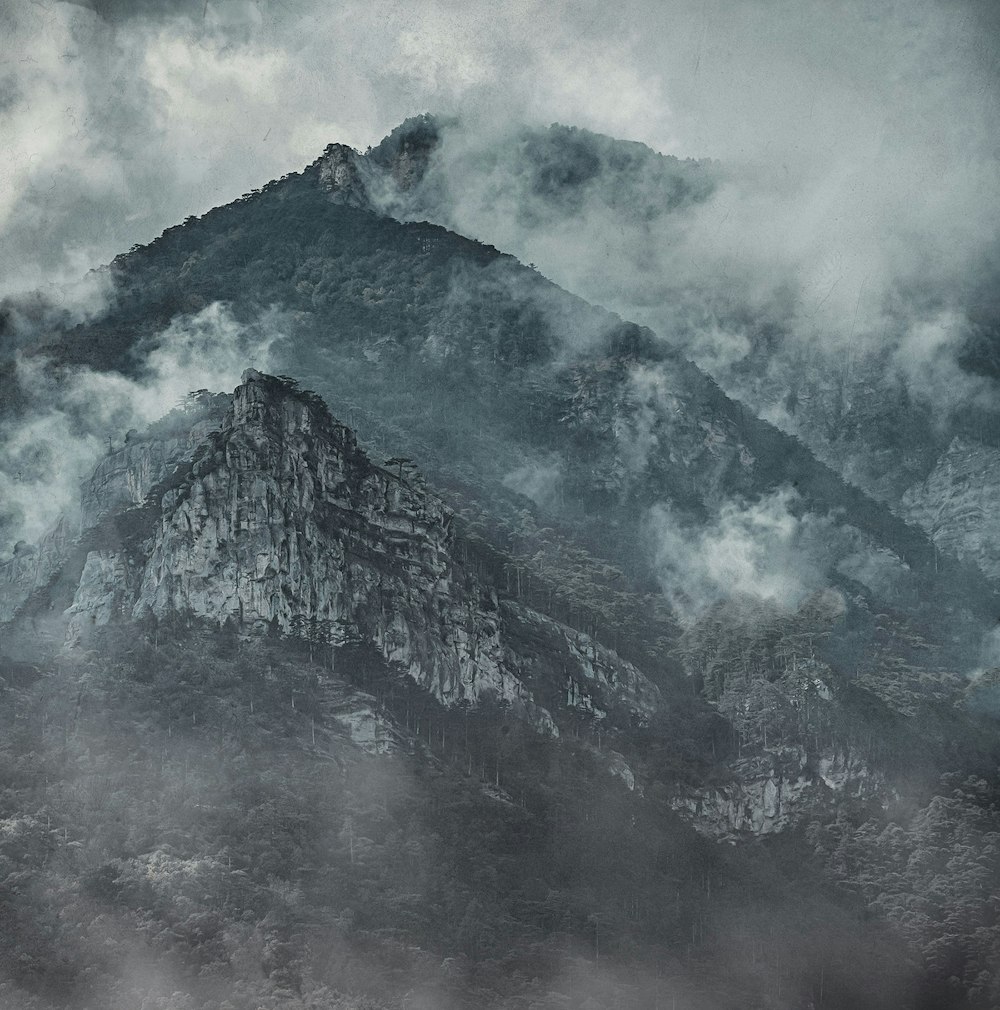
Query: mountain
(247,578)
(549,673)
(280,523)
(617,223)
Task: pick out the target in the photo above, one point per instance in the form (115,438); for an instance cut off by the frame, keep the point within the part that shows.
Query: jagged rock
(957,504)
(121,479)
(125,477)
(346,175)
(772,791)
(32,565)
(102,594)
(596,678)
(279,521)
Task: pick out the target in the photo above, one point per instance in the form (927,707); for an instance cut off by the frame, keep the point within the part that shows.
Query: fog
(77,413)
(762,551)
(839,220)
(860,142)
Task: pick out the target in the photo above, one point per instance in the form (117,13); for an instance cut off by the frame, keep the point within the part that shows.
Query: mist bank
(72,415)
(857,316)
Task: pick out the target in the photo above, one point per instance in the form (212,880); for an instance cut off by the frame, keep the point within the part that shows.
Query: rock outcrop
(33,565)
(126,476)
(260,509)
(121,480)
(773,790)
(277,520)
(957,504)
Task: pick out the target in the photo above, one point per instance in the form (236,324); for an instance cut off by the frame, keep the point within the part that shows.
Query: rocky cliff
(260,510)
(524,191)
(775,789)
(121,480)
(127,474)
(957,504)
(279,521)
(32,565)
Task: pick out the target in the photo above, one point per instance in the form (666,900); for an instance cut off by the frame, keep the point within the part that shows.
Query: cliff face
(125,477)
(346,175)
(280,521)
(121,480)
(260,509)
(524,192)
(33,565)
(774,790)
(957,504)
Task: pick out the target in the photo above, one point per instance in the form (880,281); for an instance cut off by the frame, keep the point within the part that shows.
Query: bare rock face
(122,479)
(773,791)
(125,477)
(33,565)
(595,679)
(958,504)
(281,522)
(346,175)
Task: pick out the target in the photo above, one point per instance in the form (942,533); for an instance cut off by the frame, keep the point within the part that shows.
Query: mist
(761,551)
(850,252)
(76,414)
(836,231)
(838,215)
(860,143)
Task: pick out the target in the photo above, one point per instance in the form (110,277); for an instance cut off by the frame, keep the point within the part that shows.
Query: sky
(121,118)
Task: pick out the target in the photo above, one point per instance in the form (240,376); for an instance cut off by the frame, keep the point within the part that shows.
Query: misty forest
(504,566)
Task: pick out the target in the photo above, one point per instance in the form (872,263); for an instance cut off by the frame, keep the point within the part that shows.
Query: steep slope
(957,503)
(285,626)
(270,516)
(258,510)
(491,378)
(186,827)
(572,201)
(605,480)
(709,616)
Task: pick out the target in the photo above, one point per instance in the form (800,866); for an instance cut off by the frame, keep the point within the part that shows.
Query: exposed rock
(772,791)
(280,522)
(357,714)
(125,477)
(102,594)
(33,565)
(619,767)
(957,504)
(595,679)
(346,175)
(121,479)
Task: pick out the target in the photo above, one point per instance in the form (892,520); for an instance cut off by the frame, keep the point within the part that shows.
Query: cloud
(760,551)
(121,119)
(848,212)
(846,256)
(541,481)
(49,449)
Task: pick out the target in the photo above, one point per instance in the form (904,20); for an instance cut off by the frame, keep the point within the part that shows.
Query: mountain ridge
(538,191)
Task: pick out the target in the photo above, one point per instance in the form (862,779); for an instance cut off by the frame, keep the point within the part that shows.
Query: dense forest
(186,824)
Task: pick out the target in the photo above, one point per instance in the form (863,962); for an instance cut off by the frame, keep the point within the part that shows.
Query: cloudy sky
(121,117)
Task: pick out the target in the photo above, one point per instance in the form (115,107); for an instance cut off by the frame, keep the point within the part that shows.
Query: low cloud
(844,223)
(540,481)
(760,551)
(73,413)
